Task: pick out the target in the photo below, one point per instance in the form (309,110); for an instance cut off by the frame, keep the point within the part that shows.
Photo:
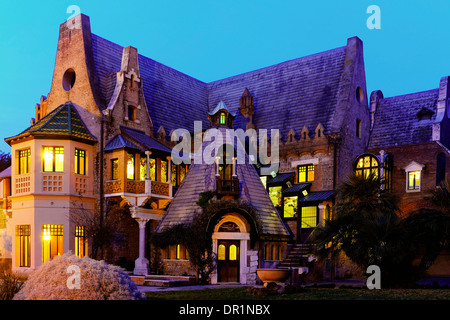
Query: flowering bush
(56,280)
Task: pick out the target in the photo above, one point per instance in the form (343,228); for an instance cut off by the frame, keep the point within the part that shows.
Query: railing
(227,187)
(138,187)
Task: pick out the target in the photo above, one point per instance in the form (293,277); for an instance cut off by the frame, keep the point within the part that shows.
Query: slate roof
(291,94)
(317,196)
(296,188)
(282,177)
(119,142)
(64,122)
(201,177)
(396,121)
(174,100)
(304,88)
(145,140)
(5,173)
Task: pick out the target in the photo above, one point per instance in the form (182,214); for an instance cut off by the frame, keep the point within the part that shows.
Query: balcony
(227,187)
(145,188)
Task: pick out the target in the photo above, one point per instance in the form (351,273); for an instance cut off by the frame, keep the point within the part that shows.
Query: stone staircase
(297,257)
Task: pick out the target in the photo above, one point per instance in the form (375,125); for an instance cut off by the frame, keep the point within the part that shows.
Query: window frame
(56,234)
(77,161)
(114,170)
(307,172)
(414,167)
(27,158)
(23,245)
(53,159)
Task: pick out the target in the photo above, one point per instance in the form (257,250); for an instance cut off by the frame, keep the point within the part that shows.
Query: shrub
(98,281)
(10,284)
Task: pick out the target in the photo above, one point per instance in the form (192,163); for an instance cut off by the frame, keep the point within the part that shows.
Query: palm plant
(367,227)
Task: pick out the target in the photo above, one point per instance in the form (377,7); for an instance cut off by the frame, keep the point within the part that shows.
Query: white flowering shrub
(96,280)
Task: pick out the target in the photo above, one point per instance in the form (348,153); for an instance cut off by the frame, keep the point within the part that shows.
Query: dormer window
(223,118)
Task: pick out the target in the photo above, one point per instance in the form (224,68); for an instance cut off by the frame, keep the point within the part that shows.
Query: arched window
(367,164)
(440,168)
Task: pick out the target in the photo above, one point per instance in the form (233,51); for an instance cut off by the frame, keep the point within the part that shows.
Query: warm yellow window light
(46,235)
(222,118)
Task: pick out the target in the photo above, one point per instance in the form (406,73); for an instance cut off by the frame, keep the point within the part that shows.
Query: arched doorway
(230,245)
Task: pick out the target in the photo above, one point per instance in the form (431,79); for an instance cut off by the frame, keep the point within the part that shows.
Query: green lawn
(241,293)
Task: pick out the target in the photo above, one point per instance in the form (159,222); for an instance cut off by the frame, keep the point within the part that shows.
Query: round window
(69,79)
(359,95)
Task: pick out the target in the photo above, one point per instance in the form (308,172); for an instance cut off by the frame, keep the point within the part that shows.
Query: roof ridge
(311,56)
(411,94)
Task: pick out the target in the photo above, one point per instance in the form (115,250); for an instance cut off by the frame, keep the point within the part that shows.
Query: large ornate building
(102,138)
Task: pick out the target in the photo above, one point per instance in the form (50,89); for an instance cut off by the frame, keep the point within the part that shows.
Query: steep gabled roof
(201,177)
(174,100)
(292,94)
(62,122)
(397,119)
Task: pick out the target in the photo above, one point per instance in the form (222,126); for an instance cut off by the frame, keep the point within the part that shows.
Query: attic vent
(69,79)
(424,114)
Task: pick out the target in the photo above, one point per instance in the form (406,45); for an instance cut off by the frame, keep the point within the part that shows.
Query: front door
(228,260)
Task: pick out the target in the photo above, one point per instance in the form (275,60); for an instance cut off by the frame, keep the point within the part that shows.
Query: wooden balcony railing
(227,187)
(138,187)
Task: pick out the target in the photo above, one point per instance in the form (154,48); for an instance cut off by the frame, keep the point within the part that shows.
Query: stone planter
(278,276)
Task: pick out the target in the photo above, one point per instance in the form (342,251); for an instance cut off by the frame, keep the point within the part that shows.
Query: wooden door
(228,260)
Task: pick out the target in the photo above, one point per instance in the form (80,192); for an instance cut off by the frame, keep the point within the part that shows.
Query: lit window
(163,177)
(174,175)
(80,161)
(130,166)
(222,118)
(2,219)
(306,173)
(24,161)
(221,252)
(309,217)
(182,172)
(264,181)
(414,180)
(366,165)
(178,256)
(52,241)
(290,207)
(81,243)
(53,158)
(233,252)
(275,195)
(23,245)
(114,169)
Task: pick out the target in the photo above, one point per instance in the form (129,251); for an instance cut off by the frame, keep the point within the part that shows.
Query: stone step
(163,280)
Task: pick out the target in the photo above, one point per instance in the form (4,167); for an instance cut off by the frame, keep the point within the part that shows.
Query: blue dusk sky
(214,39)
